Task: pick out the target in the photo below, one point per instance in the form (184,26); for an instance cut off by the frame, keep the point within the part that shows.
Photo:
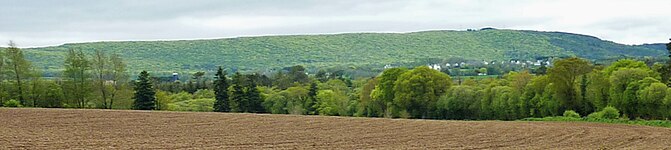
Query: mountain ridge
(373,50)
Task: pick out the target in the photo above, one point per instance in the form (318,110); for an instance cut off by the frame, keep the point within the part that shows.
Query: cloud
(41,23)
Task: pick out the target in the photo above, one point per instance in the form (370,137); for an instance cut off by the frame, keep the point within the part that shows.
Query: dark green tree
(297,74)
(542,70)
(238,99)
(255,102)
(200,81)
(321,75)
(312,99)
(564,76)
(145,96)
(221,92)
(190,87)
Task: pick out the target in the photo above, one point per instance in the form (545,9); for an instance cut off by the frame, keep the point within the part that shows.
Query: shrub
(404,114)
(595,115)
(571,114)
(610,113)
(12,103)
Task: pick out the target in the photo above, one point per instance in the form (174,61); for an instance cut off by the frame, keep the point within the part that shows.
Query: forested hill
(347,50)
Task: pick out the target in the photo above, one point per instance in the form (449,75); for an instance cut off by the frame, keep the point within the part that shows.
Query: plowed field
(121,129)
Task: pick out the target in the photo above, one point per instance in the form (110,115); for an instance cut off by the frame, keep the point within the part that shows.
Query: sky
(36,23)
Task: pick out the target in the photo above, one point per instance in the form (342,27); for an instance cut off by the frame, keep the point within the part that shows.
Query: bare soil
(125,129)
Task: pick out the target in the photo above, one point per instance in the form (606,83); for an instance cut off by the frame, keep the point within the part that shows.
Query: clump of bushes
(607,113)
(610,113)
(12,103)
(571,114)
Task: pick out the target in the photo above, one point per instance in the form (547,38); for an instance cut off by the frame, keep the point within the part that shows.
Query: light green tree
(384,90)
(332,103)
(418,90)
(19,69)
(77,77)
(652,101)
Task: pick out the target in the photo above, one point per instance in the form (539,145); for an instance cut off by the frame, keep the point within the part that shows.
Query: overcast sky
(53,22)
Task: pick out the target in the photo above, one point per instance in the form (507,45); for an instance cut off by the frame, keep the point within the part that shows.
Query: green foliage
(200,104)
(655,123)
(19,69)
(571,114)
(534,95)
(221,92)
(238,100)
(384,91)
(203,93)
(145,96)
(12,103)
(245,95)
(456,103)
(332,103)
(418,90)
(597,90)
(78,78)
(322,51)
(163,99)
(276,104)
(564,76)
(652,101)
(254,98)
(367,105)
(624,63)
(610,113)
(311,104)
(625,83)
(595,115)
(505,102)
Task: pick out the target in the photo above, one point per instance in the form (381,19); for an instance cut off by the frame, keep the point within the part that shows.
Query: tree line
(635,88)
(98,80)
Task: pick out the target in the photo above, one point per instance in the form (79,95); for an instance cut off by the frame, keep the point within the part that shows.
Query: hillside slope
(124,129)
(349,50)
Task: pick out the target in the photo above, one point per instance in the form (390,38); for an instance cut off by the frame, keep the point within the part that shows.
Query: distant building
(175,77)
(434,66)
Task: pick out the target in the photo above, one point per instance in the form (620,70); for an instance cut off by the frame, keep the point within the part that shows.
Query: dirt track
(107,129)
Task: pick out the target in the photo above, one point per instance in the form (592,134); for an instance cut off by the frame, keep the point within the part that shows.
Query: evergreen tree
(255,102)
(145,96)
(321,76)
(238,100)
(190,87)
(312,99)
(221,92)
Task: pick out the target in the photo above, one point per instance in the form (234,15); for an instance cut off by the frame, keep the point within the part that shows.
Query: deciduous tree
(418,90)
(564,76)
(77,75)
(19,69)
